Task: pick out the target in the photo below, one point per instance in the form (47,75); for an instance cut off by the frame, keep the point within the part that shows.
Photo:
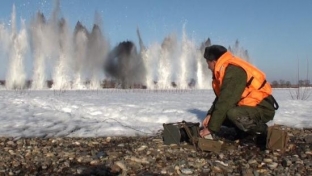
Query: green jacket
(233,85)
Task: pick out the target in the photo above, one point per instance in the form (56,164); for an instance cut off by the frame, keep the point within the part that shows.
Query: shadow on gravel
(102,170)
(199,113)
(111,169)
(98,170)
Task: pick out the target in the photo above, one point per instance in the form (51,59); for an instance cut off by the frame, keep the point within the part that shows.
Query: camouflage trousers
(249,119)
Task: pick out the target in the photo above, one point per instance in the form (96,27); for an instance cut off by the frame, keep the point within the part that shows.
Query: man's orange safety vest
(257,88)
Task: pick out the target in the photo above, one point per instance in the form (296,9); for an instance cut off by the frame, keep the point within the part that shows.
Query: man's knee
(242,120)
(232,114)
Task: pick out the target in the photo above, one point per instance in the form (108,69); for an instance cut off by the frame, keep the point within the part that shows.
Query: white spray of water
(164,69)
(173,65)
(150,56)
(76,58)
(187,61)
(168,53)
(38,33)
(182,81)
(80,55)
(45,46)
(203,75)
(16,77)
(61,75)
(239,51)
(98,49)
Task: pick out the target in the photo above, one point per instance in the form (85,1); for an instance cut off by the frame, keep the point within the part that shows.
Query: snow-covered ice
(113,112)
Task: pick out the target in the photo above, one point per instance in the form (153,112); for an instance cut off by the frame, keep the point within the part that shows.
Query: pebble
(79,170)
(217,169)
(268,160)
(187,171)
(272,165)
(139,160)
(308,139)
(256,173)
(108,139)
(163,171)
(247,172)
(143,147)
(299,162)
(252,161)
(94,162)
(122,166)
(308,152)
(286,162)
(121,145)
(11,143)
(145,156)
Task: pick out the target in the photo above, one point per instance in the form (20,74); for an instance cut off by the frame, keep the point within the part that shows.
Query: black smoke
(125,65)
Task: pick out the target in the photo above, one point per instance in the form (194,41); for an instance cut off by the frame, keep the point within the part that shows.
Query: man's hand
(206,121)
(204,132)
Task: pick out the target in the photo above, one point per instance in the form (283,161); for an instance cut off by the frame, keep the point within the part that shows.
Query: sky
(116,112)
(277,34)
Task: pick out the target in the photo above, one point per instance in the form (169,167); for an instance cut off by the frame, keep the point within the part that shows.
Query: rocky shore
(148,156)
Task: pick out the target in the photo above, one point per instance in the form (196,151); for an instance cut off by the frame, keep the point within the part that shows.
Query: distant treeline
(287,84)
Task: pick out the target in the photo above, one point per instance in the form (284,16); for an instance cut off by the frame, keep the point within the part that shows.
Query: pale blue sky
(275,32)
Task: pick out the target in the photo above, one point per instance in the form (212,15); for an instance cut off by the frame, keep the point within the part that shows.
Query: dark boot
(240,134)
(261,141)
(261,136)
(261,129)
(244,137)
(257,136)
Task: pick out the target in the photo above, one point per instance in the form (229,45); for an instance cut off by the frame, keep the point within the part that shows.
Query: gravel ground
(148,156)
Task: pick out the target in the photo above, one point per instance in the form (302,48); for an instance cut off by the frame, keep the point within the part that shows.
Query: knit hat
(214,52)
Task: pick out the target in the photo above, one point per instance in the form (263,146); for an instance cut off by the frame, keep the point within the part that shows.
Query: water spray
(82,59)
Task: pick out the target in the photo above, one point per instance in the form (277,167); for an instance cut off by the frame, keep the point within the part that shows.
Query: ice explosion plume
(65,58)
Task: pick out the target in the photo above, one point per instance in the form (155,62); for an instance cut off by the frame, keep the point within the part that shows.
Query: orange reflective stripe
(256,86)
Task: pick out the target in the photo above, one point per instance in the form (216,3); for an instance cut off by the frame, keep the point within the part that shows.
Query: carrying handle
(188,131)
